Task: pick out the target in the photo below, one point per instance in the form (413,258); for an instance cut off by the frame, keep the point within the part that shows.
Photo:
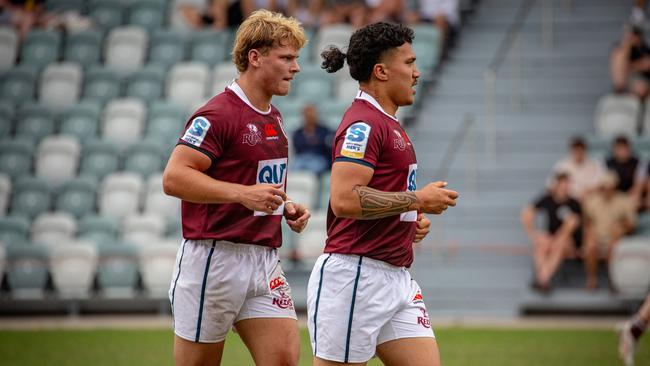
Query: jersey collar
(369,98)
(240,93)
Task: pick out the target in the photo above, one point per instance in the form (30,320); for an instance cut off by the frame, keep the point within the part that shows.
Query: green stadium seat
(16,157)
(7,109)
(166,121)
(643,225)
(61,6)
(34,122)
(331,111)
(101,230)
(19,85)
(84,48)
(144,158)
(106,14)
(77,196)
(81,120)
(101,84)
(99,158)
(27,272)
(40,48)
(14,230)
(313,83)
(31,197)
(167,48)
(5,193)
(324,199)
(117,272)
(148,14)
(147,83)
(209,47)
(9,47)
(5,127)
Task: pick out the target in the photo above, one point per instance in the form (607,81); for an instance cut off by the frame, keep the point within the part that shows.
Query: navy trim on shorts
(320,286)
(352,160)
(178,274)
(354,296)
(205,280)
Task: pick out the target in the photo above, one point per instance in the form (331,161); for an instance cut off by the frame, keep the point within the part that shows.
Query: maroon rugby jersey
(369,136)
(246,146)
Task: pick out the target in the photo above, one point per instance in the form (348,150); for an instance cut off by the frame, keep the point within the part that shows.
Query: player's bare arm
(184,178)
(351,197)
(297,215)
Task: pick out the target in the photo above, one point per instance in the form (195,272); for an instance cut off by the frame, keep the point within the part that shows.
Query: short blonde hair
(264,30)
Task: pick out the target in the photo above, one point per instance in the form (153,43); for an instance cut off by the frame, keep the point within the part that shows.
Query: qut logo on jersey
(272,171)
(411,185)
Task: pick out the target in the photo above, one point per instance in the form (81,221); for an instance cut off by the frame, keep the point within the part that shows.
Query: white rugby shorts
(216,284)
(356,303)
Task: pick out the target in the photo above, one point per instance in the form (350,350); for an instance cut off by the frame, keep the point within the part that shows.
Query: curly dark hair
(366,46)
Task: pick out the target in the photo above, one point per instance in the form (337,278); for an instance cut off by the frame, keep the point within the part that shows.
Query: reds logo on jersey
(253,137)
(399,143)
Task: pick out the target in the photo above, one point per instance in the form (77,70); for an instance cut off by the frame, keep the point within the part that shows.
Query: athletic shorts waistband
(236,247)
(354,259)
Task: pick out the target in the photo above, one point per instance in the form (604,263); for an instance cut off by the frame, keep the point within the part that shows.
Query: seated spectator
(22,15)
(306,11)
(628,168)
(630,64)
(609,215)
(637,17)
(312,143)
(563,234)
(217,14)
(444,15)
(584,173)
(343,11)
(385,11)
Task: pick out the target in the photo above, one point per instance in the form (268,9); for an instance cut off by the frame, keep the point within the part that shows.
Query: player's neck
(256,95)
(381,96)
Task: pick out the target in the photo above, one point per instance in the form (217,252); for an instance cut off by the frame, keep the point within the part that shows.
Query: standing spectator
(444,15)
(628,168)
(609,215)
(312,143)
(584,173)
(630,64)
(563,234)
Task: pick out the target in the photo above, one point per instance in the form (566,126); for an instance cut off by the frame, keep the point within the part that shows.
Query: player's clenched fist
(434,198)
(422,229)
(262,197)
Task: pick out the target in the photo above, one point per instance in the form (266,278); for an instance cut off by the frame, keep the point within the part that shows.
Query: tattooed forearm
(377,204)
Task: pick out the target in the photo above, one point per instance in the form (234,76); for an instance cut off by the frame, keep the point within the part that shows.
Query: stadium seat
(289,107)
(209,47)
(117,272)
(9,47)
(629,267)
(123,121)
(106,14)
(61,6)
(643,225)
(186,84)
(57,78)
(54,228)
(16,157)
(346,89)
(313,83)
(3,261)
(176,19)
(5,193)
(144,158)
(224,73)
(616,115)
(324,190)
(310,243)
(426,46)
(27,270)
(5,127)
(159,203)
(148,14)
(331,110)
(81,120)
(302,187)
(99,158)
(126,49)
(73,268)
(84,48)
(34,122)
(337,35)
(167,48)
(166,121)
(57,159)
(100,230)
(13,230)
(175,228)
(146,84)
(120,195)
(19,85)
(101,84)
(156,268)
(143,230)
(40,48)
(77,196)
(6,117)
(31,197)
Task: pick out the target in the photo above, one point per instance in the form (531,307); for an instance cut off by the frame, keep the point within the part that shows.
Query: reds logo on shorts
(424,319)
(284,301)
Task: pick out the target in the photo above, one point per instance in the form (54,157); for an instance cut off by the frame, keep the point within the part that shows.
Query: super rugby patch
(197,131)
(356,140)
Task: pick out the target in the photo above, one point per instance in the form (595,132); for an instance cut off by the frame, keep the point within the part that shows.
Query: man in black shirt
(628,168)
(562,235)
(630,63)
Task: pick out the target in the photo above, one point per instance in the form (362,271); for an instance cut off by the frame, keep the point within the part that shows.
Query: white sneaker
(626,344)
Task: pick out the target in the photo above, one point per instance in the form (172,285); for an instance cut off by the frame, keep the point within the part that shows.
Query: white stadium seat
(9,47)
(57,159)
(159,203)
(629,268)
(123,121)
(120,195)
(5,193)
(222,75)
(616,115)
(346,89)
(60,85)
(187,83)
(311,242)
(54,229)
(337,35)
(302,187)
(143,230)
(156,267)
(73,268)
(126,49)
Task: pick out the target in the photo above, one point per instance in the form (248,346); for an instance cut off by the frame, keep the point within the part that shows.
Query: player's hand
(263,197)
(422,228)
(297,216)
(435,199)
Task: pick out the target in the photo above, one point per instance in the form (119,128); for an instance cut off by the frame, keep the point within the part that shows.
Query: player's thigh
(188,353)
(422,351)
(271,341)
(320,362)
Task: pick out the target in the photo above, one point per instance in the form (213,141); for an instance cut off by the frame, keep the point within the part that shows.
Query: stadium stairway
(477,260)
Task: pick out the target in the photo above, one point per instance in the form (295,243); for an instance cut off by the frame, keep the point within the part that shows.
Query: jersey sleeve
(360,143)
(206,133)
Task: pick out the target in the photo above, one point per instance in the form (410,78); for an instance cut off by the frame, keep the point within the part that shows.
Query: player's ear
(379,70)
(254,57)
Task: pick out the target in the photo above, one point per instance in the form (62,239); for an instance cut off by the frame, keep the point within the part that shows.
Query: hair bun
(333,59)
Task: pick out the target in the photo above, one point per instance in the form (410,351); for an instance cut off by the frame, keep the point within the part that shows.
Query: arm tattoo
(377,204)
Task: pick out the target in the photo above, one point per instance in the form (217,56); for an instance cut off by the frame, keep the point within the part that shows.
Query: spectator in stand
(385,11)
(584,173)
(628,168)
(563,234)
(217,14)
(23,15)
(312,143)
(444,14)
(609,215)
(637,17)
(630,64)
(343,11)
